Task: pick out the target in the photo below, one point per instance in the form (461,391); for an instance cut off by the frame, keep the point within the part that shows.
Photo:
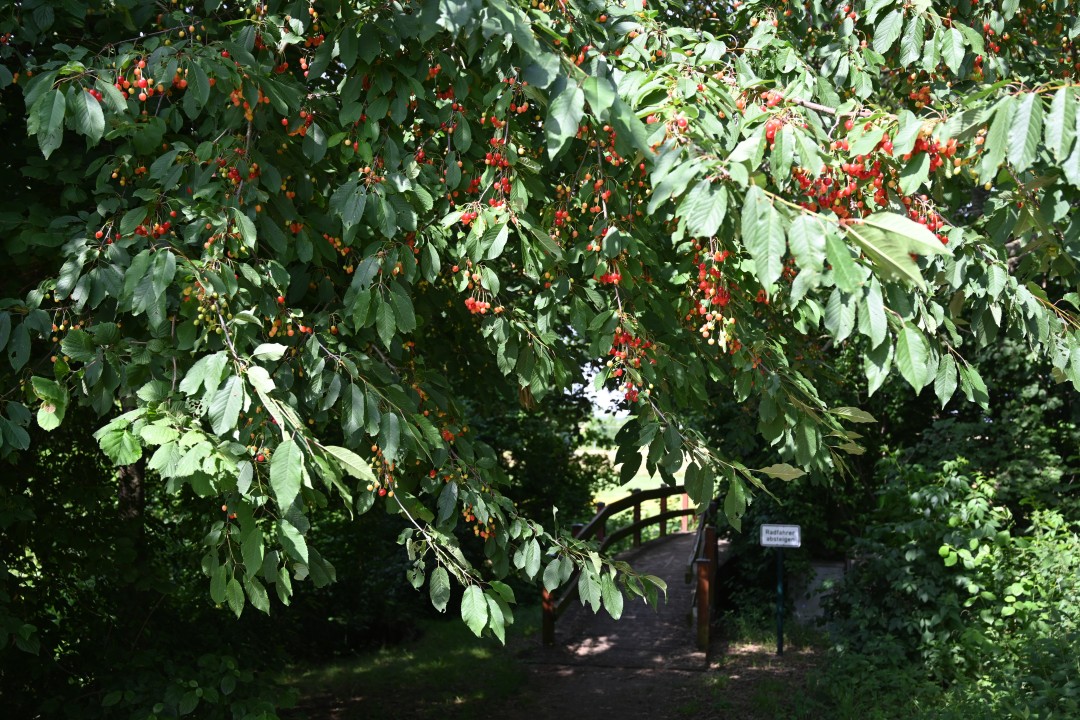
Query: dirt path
(646,664)
(634,667)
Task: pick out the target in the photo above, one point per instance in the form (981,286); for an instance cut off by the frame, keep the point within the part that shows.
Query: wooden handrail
(597,528)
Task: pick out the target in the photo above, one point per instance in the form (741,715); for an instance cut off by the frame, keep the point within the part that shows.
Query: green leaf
(474,609)
(439,588)
(846,274)
(600,95)
(404,316)
(997,138)
(1025,132)
(234,594)
(952,48)
(889,240)
(389,435)
(226,404)
(763,236)
(735,503)
(217,583)
(589,589)
(911,42)
(286,473)
(50,121)
(945,382)
(385,322)
(914,173)
(552,575)
(1060,128)
(782,471)
(888,30)
(611,596)
(77,345)
(89,119)
(351,463)
(806,238)
(251,549)
(268,351)
(913,356)
(852,414)
(256,593)
(563,118)
(531,551)
(293,541)
(703,209)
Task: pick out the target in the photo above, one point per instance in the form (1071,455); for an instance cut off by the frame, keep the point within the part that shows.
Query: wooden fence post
(548,626)
(663,509)
(704,607)
(637,519)
(685,506)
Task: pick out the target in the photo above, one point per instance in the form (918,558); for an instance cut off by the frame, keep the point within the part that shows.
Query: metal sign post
(780,537)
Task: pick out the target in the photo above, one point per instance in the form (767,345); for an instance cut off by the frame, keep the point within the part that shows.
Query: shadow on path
(644,665)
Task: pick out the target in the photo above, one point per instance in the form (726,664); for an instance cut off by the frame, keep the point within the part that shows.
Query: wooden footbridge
(649,661)
(687,558)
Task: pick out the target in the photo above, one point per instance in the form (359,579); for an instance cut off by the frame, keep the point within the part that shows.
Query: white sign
(781,536)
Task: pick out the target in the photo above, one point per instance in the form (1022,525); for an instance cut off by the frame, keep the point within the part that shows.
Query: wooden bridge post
(685,506)
(601,531)
(547,630)
(637,519)
(663,509)
(704,607)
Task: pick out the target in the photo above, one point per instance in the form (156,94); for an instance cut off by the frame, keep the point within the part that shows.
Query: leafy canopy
(241,230)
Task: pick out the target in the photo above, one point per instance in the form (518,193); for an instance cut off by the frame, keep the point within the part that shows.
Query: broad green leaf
(945,382)
(806,237)
(852,414)
(389,435)
(563,118)
(234,594)
(293,541)
(1060,127)
(913,356)
(532,555)
(997,138)
(225,405)
(952,48)
(286,473)
(888,30)
(611,596)
(889,240)
(846,274)
(735,503)
(589,589)
(50,121)
(252,551)
(552,576)
(600,95)
(914,173)
(703,209)
(763,236)
(351,463)
(782,471)
(439,588)
(474,609)
(89,119)
(1026,131)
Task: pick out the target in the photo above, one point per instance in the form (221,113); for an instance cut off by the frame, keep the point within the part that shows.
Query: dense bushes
(947,586)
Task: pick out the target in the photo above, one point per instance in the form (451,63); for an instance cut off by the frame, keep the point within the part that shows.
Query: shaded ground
(645,665)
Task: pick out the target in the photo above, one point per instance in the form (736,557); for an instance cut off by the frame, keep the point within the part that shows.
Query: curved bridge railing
(703,558)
